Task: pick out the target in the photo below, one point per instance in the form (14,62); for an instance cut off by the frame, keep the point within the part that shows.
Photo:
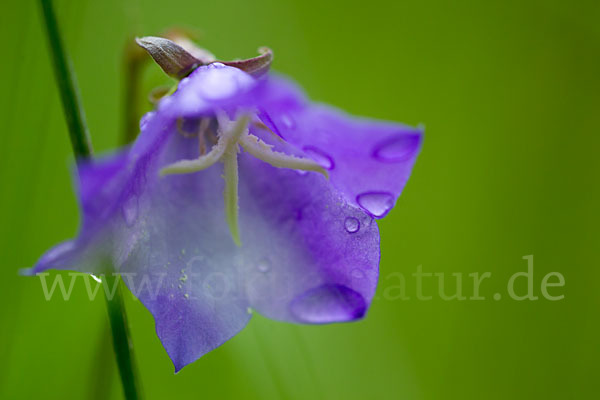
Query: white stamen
(230,134)
(198,164)
(264,152)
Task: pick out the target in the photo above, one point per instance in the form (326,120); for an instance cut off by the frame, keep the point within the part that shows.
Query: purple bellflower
(239,194)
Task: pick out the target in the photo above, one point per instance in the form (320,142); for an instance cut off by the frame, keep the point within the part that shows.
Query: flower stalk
(122,343)
(65,78)
(82,150)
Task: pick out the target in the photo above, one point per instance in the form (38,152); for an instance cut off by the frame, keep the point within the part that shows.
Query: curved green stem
(82,149)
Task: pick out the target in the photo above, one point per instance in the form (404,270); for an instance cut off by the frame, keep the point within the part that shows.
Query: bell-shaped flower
(238,195)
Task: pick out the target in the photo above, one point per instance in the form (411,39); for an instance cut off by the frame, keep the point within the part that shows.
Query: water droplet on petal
(322,158)
(357,273)
(130,210)
(378,204)
(264,265)
(398,148)
(352,225)
(328,303)
(288,121)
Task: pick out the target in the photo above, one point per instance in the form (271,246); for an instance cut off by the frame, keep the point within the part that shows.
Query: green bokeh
(509,92)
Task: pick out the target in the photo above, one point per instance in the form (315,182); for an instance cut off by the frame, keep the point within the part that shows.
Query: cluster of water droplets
(397,148)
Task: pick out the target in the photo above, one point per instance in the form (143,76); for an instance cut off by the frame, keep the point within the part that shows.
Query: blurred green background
(509,92)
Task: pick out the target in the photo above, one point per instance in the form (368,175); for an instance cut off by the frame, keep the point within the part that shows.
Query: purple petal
(369,161)
(169,239)
(97,182)
(209,88)
(177,256)
(312,257)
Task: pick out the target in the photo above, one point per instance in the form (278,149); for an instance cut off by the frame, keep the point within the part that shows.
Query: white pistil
(239,129)
(265,152)
(231,191)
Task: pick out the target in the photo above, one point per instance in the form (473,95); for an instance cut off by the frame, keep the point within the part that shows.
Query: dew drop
(288,121)
(328,303)
(352,225)
(322,158)
(130,210)
(264,266)
(377,204)
(398,148)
